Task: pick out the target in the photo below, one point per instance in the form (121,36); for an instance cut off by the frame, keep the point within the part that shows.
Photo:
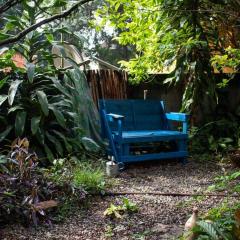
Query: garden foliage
(39,101)
(180,36)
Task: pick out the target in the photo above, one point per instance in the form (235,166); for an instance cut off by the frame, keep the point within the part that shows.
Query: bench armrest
(179,117)
(115,116)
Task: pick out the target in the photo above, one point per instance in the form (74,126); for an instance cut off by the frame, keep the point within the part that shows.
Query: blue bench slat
(148,115)
(120,107)
(153,156)
(151,136)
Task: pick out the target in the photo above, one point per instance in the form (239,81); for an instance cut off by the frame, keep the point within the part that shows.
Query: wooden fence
(107,84)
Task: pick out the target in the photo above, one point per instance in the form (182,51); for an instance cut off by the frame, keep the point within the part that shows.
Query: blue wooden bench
(128,122)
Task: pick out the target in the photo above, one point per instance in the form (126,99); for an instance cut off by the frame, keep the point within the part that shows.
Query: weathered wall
(229,97)
(172,96)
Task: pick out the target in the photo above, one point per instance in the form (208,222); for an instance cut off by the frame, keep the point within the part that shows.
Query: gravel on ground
(158,218)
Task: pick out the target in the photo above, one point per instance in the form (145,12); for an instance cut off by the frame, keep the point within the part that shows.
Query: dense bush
(25,193)
(215,137)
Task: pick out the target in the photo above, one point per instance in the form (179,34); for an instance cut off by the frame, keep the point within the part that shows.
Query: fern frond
(209,229)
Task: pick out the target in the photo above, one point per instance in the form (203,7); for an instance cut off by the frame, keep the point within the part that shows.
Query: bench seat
(150,135)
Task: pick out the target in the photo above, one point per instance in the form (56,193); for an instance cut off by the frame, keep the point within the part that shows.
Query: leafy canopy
(180,34)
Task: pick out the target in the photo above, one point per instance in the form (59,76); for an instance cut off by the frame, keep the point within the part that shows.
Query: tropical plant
(220,223)
(36,100)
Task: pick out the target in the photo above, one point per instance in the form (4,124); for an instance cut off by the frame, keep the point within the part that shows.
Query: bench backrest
(138,114)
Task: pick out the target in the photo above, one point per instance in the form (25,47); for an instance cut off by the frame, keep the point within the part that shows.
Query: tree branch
(7,5)
(45,21)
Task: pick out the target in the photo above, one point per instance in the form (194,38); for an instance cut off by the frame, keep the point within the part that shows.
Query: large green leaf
(209,229)
(3,81)
(90,144)
(35,121)
(59,116)
(3,98)
(4,36)
(20,123)
(65,140)
(15,108)
(40,136)
(12,91)
(42,97)
(56,143)
(4,134)
(49,153)
(60,87)
(30,71)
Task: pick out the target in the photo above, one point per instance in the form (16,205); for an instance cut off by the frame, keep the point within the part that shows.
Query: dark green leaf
(59,3)
(40,136)
(3,81)
(59,116)
(56,143)
(90,145)
(20,123)
(35,121)
(4,134)
(4,36)
(13,109)
(67,145)
(49,153)
(43,102)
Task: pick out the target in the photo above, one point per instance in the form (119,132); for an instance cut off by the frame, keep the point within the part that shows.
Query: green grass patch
(89,177)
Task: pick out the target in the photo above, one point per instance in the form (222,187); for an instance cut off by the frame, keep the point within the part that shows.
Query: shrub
(25,192)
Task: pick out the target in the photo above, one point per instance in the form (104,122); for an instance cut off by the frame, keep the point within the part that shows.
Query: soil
(158,217)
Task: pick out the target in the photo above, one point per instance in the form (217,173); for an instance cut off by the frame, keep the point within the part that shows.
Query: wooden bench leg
(182,146)
(125,149)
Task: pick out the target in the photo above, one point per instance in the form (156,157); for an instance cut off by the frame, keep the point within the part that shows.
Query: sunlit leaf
(30,71)
(13,90)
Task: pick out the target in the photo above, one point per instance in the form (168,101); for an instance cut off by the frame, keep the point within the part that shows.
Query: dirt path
(159,217)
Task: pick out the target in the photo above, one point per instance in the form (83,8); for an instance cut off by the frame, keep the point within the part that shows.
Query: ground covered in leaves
(158,217)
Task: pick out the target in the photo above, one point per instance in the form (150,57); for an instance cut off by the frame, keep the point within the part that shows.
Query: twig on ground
(171,194)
